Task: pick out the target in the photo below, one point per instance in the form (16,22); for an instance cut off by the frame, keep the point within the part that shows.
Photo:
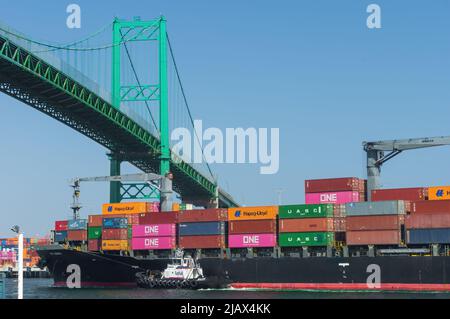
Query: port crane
(159,182)
(376,156)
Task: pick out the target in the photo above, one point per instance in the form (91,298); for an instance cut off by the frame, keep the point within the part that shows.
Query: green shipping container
(130,232)
(94,233)
(305,211)
(306,239)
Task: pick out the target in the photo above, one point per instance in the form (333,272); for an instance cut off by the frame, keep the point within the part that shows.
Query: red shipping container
(202,215)
(252,226)
(95,220)
(306,225)
(334,185)
(94,244)
(158,218)
(373,237)
(411,194)
(340,224)
(115,234)
(431,206)
(61,225)
(76,235)
(202,242)
(133,219)
(379,222)
(429,220)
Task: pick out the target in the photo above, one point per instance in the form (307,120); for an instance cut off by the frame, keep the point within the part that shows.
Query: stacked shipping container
(335,190)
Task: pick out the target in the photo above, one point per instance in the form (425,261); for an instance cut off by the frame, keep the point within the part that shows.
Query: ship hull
(318,273)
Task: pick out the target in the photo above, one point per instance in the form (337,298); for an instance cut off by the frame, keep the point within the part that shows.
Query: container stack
(154,231)
(77,230)
(115,233)
(95,227)
(306,225)
(375,223)
(252,227)
(61,228)
(202,229)
(428,222)
(335,190)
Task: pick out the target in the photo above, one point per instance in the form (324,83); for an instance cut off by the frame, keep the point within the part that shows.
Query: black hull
(355,273)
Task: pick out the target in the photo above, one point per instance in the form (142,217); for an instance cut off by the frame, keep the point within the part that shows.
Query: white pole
(20,268)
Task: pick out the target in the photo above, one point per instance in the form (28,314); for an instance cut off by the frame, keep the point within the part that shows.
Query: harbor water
(42,289)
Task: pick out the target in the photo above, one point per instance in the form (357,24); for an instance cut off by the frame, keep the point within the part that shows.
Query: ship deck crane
(376,156)
(163,184)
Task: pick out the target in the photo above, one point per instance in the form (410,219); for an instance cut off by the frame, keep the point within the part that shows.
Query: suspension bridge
(122,91)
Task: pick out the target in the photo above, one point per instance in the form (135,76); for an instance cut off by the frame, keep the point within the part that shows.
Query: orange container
(439,193)
(252,213)
(128,208)
(115,245)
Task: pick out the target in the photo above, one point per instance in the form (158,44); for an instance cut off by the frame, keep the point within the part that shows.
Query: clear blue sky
(311,68)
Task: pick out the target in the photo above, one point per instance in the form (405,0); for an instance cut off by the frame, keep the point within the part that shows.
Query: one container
(206,228)
(158,218)
(60,236)
(332,197)
(94,232)
(61,225)
(373,237)
(439,193)
(428,220)
(130,208)
(306,239)
(77,235)
(153,243)
(202,242)
(428,236)
(114,245)
(252,213)
(430,206)
(95,220)
(115,234)
(202,215)
(411,194)
(333,184)
(252,240)
(77,224)
(252,226)
(378,222)
(94,244)
(376,208)
(306,225)
(305,211)
(154,230)
(115,222)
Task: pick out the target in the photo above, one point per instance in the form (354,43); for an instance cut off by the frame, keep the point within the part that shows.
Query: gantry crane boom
(376,156)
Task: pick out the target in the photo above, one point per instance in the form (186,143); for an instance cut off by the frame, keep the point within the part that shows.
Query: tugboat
(183,272)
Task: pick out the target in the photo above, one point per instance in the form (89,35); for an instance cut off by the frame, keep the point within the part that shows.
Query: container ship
(337,240)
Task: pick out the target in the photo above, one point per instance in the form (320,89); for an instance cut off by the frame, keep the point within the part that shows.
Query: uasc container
(306,239)
(332,197)
(252,240)
(202,215)
(154,230)
(202,242)
(252,213)
(305,211)
(306,225)
(206,228)
(376,208)
(252,226)
(153,243)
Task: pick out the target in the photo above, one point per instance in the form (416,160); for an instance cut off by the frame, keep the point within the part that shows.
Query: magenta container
(332,198)
(153,243)
(252,240)
(154,230)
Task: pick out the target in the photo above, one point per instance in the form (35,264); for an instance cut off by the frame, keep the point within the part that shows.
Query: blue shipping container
(77,224)
(115,223)
(60,236)
(429,236)
(207,228)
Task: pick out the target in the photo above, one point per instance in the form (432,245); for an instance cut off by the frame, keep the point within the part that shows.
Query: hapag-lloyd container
(306,225)
(306,239)
(202,242)
(252,240)
(252,213)
(305,211)
(439,193)
(130,208)
(332,197)
(151,243)
(396,207)
(115,245)
(334,184)
(411,194)
(154,230)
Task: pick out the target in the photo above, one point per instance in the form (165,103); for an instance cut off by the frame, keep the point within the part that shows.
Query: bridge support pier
(114,188)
